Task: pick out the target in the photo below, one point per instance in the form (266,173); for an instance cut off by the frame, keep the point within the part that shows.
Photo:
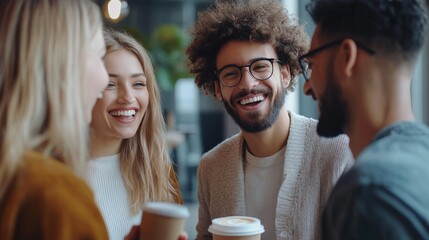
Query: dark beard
(256,124)
(333,109)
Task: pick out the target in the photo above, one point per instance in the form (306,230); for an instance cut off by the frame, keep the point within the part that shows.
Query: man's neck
(270,141)
(381,107)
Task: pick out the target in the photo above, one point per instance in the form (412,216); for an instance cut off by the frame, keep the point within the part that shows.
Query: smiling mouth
(252,100)
(127,113)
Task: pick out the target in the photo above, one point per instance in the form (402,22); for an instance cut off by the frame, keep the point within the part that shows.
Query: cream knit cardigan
(312,166)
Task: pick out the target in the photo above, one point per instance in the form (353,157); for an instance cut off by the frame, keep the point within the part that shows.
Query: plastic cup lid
(236,226)
(166,209)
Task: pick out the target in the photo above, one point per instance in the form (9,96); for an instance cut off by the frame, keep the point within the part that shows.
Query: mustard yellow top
(47,201)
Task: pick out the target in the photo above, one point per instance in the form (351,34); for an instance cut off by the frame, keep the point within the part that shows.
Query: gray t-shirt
(386,194)
(262,180)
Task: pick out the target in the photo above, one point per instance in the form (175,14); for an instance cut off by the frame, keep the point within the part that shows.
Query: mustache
(254,91)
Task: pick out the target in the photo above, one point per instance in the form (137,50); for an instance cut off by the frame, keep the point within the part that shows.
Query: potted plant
(168,53)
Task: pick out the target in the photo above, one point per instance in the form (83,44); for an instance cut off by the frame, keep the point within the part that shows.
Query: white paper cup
(162,221)
(236,228)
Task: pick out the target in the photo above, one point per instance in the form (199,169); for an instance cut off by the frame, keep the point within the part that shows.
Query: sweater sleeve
(57,213)
(47,201)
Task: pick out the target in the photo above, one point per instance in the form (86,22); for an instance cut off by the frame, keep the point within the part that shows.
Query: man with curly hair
(245,54)
(362,58)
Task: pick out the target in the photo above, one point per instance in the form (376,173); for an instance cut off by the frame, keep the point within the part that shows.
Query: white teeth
(127,113)
(258,98)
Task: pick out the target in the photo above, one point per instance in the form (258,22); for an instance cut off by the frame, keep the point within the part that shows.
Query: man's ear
(285,75)
(218,94)
(348,57)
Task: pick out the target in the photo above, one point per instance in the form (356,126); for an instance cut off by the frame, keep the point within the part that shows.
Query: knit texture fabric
(105,178)
(47,201)
(312,166)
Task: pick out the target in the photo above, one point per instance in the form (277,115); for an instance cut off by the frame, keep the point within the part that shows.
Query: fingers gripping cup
(236,228)
(162,221)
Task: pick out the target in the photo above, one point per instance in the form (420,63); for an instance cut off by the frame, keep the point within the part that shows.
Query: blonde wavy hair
(42,49)
(144,158)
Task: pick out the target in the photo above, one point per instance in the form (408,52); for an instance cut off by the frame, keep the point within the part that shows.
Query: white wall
(292,99)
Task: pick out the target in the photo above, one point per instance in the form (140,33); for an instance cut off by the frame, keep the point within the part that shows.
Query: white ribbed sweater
(312,166)
(105,179)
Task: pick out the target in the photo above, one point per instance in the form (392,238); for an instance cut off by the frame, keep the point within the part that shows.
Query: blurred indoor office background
(197,122)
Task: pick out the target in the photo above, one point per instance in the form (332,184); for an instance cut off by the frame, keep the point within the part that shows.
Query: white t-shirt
(263,178)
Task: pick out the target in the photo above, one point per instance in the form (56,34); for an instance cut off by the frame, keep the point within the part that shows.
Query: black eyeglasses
(305,64)
(261,69)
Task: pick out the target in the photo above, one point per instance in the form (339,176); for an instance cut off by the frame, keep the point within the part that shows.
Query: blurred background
(197,122)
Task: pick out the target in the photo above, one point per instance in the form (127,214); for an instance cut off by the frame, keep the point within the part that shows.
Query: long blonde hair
(42,49)
(144,158)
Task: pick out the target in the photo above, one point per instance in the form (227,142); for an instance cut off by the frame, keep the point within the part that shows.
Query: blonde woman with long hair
(51,72)
(130,158)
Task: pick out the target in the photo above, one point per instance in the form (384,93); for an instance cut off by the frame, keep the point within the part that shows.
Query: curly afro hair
(263,21)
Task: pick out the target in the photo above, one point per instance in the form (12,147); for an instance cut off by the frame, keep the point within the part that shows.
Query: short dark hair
(399,27)
(264,21)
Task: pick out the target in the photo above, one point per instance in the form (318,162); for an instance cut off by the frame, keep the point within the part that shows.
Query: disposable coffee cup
(236,228)
(162,221)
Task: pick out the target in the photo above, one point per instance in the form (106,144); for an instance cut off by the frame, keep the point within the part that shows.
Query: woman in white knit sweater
(130,158)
